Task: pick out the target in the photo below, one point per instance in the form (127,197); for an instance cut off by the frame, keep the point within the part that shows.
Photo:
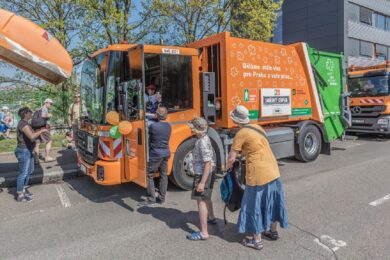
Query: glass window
(176,87)
(380,21)
(388,23)
(380,51)
(92,88)
(113,73)
(366,49)
(368,86)
(365,15)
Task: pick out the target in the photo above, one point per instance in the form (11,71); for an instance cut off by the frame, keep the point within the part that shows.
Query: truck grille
(367,111)
(87,145)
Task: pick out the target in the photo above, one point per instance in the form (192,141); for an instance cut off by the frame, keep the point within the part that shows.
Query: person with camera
(40,120)
(24,153)
(159,154)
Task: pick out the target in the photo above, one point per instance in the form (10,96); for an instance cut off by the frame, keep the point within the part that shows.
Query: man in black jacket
(159,153)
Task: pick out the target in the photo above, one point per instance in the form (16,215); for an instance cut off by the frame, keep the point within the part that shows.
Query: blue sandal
(196,236)
(271,235)
(252,243)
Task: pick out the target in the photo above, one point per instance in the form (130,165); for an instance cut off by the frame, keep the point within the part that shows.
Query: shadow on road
(176,219)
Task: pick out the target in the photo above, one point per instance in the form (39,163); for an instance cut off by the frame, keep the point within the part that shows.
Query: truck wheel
(309,144)
(183,170)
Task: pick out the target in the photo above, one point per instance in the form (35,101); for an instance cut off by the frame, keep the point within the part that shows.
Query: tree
(109,22)
(185,21)
(254,19)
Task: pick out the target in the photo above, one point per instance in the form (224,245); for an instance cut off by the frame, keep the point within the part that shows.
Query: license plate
(83,169)
(90,144)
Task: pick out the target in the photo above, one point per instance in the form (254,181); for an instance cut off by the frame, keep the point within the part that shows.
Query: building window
(380,52)
(365,15)
(388,23)
(380,21)
(366,49)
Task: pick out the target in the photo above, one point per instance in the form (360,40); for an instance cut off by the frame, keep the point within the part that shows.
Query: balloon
(125,127)
(114,133)
(112,117)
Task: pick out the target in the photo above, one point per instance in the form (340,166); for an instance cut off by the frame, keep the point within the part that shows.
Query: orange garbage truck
(31,48)
(369,98)
(295,92)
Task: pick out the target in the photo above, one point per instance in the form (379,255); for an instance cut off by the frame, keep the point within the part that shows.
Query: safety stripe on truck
(117,147)
(313,83)
(371,101)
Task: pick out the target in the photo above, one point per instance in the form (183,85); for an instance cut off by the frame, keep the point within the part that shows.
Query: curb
(40,178)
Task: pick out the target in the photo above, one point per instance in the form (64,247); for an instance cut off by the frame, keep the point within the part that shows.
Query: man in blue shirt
(159,153)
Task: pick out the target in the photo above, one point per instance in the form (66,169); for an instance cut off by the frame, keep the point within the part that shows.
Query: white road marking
(336,243)
(322,245)
(380,201)
(63,197)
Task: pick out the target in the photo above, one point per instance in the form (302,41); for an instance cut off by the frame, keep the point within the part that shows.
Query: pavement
(64,166)
(338,208)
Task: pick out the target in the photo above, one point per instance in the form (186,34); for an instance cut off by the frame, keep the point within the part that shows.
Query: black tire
(309,144)
(180,175)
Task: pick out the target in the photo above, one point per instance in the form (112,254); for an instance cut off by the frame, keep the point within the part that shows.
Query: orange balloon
(112,117)
(125,127)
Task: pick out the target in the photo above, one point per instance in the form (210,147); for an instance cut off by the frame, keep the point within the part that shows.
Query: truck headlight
(383,121)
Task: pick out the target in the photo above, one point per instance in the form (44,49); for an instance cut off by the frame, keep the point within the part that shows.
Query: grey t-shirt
(45,113)
(23,141)
(203,152)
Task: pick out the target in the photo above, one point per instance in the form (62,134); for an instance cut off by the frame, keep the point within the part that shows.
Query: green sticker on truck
(253,114)
(301,111)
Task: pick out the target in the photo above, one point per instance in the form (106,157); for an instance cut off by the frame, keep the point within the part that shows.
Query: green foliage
(184,21)
(108,22)
(254,19)
(8,145)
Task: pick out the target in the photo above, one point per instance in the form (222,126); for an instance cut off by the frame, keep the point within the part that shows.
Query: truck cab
(114,79)
(369,99)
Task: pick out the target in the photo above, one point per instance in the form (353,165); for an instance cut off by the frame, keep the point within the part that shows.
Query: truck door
(329,71)
(135,151)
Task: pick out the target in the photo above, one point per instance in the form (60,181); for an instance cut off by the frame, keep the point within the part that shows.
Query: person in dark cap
(152,102)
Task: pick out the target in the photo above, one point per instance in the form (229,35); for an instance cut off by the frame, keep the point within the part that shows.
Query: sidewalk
(64,166)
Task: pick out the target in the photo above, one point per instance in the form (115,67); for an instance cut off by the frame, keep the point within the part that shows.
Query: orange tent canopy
(31,48)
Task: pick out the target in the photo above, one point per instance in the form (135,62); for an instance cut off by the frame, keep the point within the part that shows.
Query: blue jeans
(26,167)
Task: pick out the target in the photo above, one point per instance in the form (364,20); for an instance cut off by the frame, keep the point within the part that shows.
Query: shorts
(44,138)
(208,189)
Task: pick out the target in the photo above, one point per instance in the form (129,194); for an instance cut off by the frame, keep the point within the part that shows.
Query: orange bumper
(103,172)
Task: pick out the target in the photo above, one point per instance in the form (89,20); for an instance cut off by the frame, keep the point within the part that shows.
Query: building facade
(359,28)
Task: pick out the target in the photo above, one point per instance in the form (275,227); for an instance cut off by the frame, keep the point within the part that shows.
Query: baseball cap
(49,100)
(5,108)
(152,87)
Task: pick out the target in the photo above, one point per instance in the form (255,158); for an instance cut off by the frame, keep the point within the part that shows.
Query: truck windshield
(369,86)
(92,88)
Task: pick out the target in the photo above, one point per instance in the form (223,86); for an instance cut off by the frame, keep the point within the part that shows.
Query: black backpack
(37,120)
(232,188)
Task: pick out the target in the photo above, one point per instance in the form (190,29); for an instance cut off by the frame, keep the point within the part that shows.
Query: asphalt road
(338,209)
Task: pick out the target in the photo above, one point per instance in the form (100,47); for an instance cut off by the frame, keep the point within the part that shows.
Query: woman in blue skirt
(262,205)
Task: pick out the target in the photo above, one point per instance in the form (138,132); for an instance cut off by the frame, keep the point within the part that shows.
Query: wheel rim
(311,143)
(188,165)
